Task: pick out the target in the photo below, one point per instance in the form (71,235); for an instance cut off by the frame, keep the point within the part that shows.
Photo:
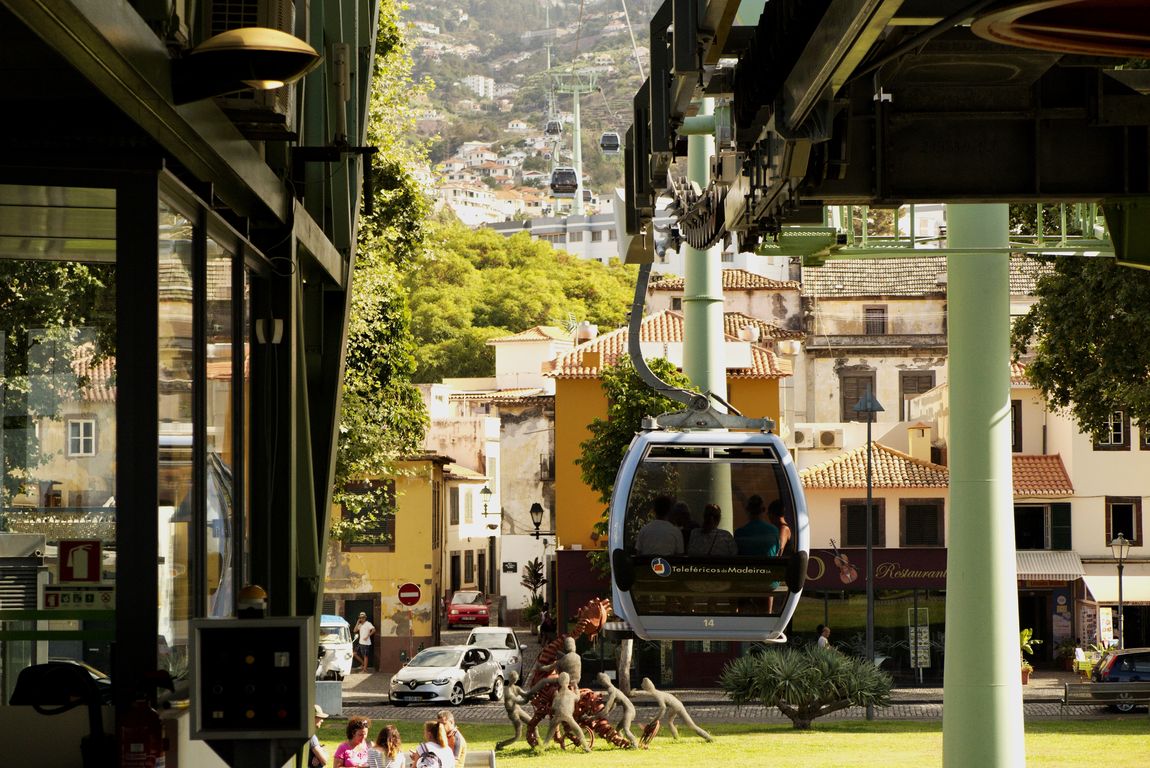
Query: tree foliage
(1085,342)
(629,400)
(805,683)
(469,286)
(382,416)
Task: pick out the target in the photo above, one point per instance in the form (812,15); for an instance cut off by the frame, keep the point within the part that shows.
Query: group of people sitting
(672,531)
(443,746)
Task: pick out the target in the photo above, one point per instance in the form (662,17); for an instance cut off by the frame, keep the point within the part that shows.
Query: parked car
(504,646)
(447,672)
(1129,665)
(335,650)
(468,606)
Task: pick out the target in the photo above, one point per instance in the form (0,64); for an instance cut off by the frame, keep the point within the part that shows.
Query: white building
(481,85)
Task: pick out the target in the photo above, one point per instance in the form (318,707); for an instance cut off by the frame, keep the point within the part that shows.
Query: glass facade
(58,395)
(58,398)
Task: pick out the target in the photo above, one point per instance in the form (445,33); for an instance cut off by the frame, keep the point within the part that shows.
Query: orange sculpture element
(590,620)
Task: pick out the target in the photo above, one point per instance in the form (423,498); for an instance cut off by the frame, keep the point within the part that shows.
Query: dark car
(1130,665)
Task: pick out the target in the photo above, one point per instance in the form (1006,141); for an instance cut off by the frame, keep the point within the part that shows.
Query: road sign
(409,594)
(79,561)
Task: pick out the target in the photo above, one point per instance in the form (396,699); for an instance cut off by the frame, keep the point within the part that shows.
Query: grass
(886,744)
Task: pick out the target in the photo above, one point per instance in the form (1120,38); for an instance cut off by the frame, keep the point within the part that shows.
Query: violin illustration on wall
(848,573)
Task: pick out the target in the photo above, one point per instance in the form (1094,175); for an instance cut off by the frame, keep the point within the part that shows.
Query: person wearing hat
(363,631)
(317,755)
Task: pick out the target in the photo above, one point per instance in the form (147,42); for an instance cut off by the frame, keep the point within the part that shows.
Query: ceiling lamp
(1092,27)
(249,57)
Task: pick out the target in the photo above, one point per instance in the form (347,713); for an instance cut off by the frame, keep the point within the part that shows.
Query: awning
(1048,564)
(1102,581)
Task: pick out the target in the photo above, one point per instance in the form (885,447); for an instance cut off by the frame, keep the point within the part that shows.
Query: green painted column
(703,353)
(982,724)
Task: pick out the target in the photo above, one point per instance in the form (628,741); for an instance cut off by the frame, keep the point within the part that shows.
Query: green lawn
(1121,742)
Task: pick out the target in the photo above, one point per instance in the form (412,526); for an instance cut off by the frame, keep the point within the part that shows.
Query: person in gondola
(659,536)
(681,519)
(711,540)
(757,537)
(776,518)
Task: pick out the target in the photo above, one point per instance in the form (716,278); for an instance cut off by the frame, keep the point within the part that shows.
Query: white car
(447,672)
(504,646)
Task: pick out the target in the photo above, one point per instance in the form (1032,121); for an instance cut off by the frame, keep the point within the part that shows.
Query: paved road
(366,695)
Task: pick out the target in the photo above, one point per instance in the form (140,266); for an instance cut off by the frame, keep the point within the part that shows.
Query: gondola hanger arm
(700,412)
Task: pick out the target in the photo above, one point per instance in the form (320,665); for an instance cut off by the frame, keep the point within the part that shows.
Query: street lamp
(537,520)
(870,406)
(486,493)
(1120,547)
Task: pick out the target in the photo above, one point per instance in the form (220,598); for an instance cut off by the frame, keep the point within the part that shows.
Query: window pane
(221,427)
(921,525)
(1122,520)
(1029,527)
(57,362)
(175,382)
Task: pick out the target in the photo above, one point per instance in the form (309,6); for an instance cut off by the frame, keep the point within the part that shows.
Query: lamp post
(870,406)
(1120,547)
(486,493)
(537,520)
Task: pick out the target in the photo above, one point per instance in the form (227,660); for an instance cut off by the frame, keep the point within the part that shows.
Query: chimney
(919,436)
(749,333)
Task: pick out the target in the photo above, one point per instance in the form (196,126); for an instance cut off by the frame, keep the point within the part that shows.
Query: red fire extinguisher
(142,742)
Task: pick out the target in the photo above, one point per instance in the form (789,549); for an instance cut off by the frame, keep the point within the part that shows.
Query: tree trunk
(623,666)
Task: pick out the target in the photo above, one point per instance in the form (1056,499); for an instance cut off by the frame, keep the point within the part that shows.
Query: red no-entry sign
(409,594)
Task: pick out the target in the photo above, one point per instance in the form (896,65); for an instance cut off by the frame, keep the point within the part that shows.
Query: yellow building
(753,375)
(366,569)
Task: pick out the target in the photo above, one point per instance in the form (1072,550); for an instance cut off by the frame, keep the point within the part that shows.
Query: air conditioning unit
(829,438)
(258,114)
(804,436)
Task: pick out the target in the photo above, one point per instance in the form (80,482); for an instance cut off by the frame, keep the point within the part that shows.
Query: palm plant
(805,683)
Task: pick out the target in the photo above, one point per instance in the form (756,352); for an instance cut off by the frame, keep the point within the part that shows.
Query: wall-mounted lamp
(249,57)
(537,520)
(486,493)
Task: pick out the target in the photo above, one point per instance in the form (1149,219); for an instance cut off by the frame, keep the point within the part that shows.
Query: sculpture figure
(513,697)
(667,701)
(562,710)
(615,697)
(568,661)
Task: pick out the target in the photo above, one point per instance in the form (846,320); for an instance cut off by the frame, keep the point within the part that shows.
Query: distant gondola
(564,182)
(553,128)
(609,143)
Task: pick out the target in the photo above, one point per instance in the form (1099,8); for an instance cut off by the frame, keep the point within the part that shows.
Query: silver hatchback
(447,673)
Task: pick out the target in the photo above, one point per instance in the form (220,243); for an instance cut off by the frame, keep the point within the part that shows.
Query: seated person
(680,517)
(711,540)
(659,536)
(757,537)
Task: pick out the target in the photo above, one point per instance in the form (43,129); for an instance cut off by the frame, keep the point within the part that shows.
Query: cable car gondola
(564,182)
(609,143)
(732,582)
(553,128)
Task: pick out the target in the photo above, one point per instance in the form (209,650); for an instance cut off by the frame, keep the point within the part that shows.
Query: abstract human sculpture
(562,709)
(667,701)
(513,698)
(616,698)
(568,661)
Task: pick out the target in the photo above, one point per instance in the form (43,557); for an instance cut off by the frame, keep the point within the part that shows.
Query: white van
(335,651)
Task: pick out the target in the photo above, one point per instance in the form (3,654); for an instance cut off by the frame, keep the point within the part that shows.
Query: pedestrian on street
(363,632)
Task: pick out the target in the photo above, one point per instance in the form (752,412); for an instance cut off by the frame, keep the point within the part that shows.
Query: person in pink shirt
(356,751)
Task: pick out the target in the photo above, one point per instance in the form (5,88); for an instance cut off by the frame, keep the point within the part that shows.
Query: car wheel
(1124,708)
(457,696)
(497,689)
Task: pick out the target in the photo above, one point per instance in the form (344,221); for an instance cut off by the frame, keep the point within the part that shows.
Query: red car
(468,607)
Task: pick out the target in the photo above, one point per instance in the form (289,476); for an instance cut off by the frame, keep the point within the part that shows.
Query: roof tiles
(890,469)
(588,359)
(1038,475)
(733,280)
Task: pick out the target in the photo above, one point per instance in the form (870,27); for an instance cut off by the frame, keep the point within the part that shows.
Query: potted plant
(1026,643)
(1064,651)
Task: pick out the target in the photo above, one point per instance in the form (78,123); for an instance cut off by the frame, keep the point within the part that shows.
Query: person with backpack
(455,740)
(434,751)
